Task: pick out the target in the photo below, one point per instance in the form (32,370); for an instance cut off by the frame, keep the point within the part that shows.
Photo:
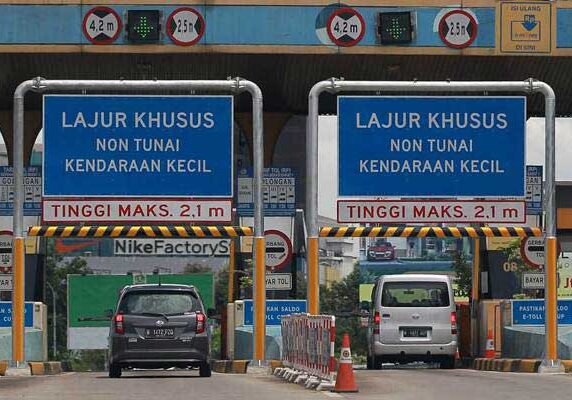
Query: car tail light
(119,324)
(453,323)
(376,321)
(201,322)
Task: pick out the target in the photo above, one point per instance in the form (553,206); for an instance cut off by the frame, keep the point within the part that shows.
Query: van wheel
(205,370)
(447,363)
(114,371)
(377,362)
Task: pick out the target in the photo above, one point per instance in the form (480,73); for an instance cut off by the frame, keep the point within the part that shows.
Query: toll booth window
(395,27)
(415,294)
(143,26)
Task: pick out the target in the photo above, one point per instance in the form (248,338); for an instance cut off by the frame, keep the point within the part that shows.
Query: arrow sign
(529,22)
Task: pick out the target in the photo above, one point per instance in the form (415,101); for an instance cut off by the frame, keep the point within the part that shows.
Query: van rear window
(415,294)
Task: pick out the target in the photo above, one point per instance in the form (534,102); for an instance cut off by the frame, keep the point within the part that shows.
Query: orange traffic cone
(345,381)
(490,349)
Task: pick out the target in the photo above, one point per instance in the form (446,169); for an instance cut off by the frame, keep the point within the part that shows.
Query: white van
(413,318)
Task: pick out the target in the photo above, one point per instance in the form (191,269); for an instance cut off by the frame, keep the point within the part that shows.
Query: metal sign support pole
(551,362)
(236,85)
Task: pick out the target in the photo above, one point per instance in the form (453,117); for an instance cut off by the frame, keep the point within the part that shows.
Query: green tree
(57,271)
(221,288)
(463,274)
(342,301)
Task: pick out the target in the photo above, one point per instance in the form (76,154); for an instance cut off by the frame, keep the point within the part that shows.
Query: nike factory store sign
(171,247)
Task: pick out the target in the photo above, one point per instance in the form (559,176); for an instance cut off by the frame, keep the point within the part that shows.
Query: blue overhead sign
(152,146)
(6,314)
(531,312)
(431,146)
(275,309)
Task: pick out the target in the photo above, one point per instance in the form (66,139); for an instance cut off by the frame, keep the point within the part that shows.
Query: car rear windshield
(159,302)
(415,294)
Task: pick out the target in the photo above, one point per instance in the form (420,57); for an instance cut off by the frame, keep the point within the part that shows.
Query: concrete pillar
(32,126)
(273,124)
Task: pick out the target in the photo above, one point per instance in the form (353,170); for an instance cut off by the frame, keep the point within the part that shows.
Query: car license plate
(159,332)
(415,333)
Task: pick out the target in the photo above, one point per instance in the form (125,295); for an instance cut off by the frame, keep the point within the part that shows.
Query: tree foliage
(342,301)
(463,274)
(57,271)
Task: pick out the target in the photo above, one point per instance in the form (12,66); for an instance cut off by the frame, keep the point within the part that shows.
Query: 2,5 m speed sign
(458,29)
(185,26)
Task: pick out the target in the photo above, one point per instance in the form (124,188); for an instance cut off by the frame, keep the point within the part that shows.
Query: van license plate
(159,333)
(422,333)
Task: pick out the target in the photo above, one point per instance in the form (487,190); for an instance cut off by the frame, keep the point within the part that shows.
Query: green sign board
(90,295)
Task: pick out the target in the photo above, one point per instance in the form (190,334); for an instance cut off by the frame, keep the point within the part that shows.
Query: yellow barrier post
(259,298)
(475,294)
(313,276)
(551,301)
(18,301)
(231,272)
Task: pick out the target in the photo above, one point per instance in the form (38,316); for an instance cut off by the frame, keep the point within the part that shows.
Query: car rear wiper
(154,315)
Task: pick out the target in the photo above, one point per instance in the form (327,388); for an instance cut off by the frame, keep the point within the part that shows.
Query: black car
(159,326)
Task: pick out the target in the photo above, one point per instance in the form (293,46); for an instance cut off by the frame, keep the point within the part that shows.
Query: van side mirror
(109,313)
(364,306)
(211,312)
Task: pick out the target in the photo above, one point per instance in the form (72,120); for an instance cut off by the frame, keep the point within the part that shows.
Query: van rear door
(415,312)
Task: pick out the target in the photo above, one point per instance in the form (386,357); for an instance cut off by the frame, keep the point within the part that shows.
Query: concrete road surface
(396,384)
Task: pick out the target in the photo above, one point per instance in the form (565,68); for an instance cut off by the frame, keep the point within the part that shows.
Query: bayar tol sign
(431,146)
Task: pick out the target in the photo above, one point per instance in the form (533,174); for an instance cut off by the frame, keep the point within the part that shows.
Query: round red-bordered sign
(532,251)
(345,27)
(458,29)
(101,25)
(278,252)
(185,26)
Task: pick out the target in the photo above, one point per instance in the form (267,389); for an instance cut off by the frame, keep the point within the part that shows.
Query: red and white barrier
(308,347)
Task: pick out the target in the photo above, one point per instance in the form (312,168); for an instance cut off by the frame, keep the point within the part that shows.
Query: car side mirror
(109,313)
(211,312)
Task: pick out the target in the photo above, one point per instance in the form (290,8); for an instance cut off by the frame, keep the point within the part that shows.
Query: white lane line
(334,395)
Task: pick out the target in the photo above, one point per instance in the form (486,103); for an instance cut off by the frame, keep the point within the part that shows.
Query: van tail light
(201,322)
(119,324)
(376,322)
(453,323)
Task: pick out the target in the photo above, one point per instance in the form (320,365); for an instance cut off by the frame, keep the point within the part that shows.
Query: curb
(513,365)
(275,364)
(45,368)
(3,367)
(230,366)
